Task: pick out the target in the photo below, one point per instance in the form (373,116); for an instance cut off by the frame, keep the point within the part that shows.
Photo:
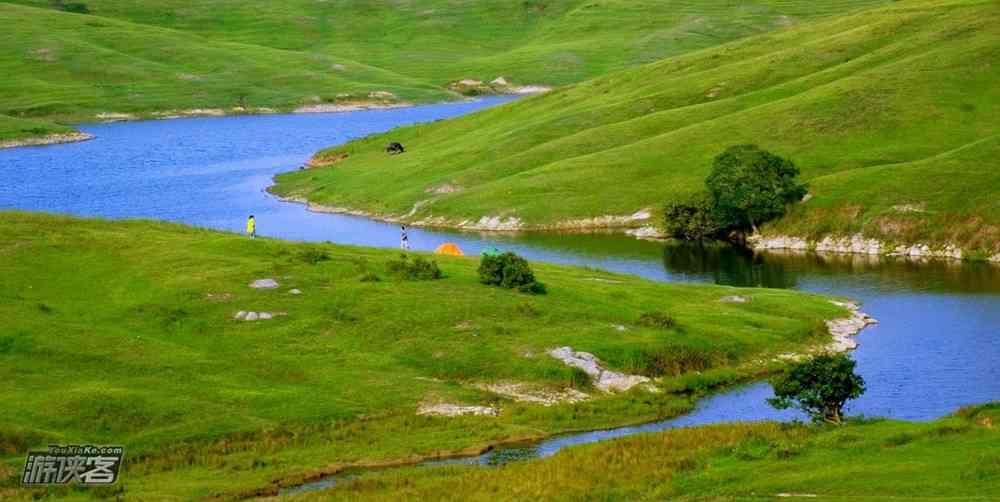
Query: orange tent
(449,248)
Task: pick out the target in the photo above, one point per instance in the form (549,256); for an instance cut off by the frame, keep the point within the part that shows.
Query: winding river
(936,348)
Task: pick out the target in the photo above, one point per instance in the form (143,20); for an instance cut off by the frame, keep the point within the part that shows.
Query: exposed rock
(910,208)
(499,81)
(495,223)
(735,299)
(381,95)
(115,117)
(446,188)
(529,394)
(646,232)
(348,107)
(844,330)
(264,284)
(619,327)
(455,410)
(530,89)
(295,291)
(256,316)
(328,160)
(48,139)
(604,379)
(855,244)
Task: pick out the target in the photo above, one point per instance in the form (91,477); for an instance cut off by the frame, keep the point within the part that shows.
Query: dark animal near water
(394,148)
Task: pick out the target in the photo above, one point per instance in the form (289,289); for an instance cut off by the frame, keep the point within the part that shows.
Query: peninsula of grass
(125,333)
(77,61)
(891,114)
(954,458)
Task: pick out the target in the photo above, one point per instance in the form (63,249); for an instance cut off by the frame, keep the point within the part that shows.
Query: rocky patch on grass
(604,379)
(264,284)
(735,299)
(244,315)
(527,393)
(456,410)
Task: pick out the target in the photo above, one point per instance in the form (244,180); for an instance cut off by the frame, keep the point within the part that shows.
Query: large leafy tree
(819,387)
(751,186)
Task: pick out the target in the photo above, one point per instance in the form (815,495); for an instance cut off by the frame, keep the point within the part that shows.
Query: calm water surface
(936,348)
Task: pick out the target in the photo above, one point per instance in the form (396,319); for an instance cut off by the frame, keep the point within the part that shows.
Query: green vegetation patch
(127,333)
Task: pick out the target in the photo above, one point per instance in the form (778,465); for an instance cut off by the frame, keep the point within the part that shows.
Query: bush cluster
(657,320)
(418,269)
(748,186)
(511,271)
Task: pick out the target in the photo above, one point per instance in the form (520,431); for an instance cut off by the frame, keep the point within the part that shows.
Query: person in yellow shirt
(251,227)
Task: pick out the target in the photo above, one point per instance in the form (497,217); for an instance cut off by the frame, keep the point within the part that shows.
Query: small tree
(819,387)
(750,186)
(692,219)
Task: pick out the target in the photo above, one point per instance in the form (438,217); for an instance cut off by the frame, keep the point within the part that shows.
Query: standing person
(404,240)
(251,227)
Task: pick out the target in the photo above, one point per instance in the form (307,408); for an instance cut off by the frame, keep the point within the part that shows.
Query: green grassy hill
(140,57)
(124,333)
(878,98)
(73,67)
(954,458)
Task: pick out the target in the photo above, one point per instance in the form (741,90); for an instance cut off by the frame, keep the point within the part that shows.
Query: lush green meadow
(144,57)
(124,333)
(954,458)
(884,110)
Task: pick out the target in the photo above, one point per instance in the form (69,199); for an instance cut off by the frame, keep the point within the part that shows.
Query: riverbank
(48,139)
(140,324)
(953,457)
(858,244)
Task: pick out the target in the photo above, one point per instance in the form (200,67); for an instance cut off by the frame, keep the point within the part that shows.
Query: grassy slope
(111,336)
(74,66)
(885,90)
(551,41)
(954,458)
(12,128)
(147,56)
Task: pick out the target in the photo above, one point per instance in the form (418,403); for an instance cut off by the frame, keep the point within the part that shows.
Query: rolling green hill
(139,57)
(892,107)
(124,333)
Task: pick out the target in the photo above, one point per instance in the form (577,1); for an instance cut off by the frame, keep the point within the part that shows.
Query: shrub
(509,270)
(419,269)
(657,320)
(313,256)
(693,219)
(370,277)
(819,387)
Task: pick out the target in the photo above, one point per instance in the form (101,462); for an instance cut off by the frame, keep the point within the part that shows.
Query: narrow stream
(935,349)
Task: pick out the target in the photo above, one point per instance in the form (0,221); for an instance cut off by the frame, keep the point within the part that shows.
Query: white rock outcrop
(844,330)
(529,394)
(855,244)
(604,379)
(456,410)
(264,284)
